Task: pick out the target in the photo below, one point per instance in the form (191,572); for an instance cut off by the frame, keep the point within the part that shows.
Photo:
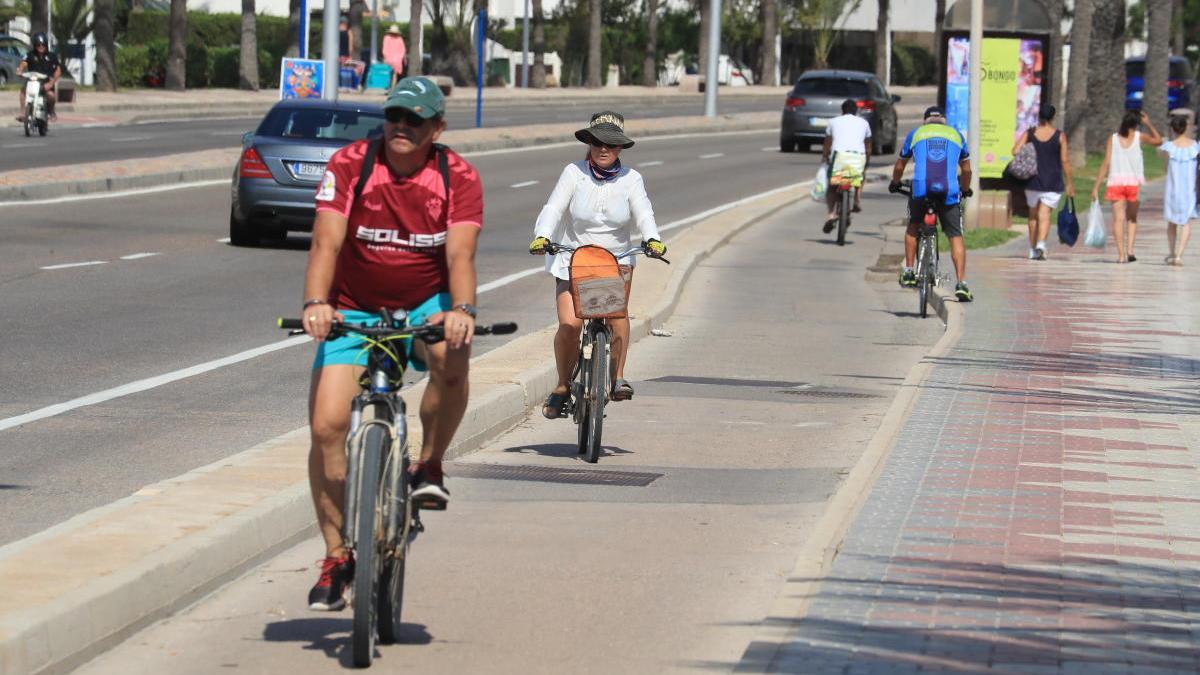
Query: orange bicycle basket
(599,284)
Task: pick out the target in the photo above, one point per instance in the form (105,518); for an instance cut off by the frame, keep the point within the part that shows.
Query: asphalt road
(167,295)
(67,145)
(781,364)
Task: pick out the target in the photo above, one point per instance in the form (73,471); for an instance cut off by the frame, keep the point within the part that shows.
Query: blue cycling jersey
(936,150)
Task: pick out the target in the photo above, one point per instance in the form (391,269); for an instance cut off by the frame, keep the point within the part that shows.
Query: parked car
(1180,82)
(12,52)
(282,162)
(818,96)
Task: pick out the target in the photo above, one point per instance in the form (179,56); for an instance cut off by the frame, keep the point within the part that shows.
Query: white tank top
(1125,167)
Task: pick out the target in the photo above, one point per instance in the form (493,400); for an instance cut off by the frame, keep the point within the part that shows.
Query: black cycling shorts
(949,216)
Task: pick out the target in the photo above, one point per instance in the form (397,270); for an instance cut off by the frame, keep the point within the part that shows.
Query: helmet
(40,39)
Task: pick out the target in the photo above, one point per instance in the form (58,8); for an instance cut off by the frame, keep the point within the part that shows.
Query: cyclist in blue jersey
(941,169)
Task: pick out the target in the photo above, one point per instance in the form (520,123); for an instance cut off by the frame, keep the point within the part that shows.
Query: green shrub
(912,65)
(223,64)
(133,61)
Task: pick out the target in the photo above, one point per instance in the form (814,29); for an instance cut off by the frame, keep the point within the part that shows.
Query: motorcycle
(36,116)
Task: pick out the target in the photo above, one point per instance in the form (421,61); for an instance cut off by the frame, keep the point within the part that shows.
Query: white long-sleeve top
(583,210)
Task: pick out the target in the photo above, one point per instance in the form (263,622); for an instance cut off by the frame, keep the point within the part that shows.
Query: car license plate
(818,121)
(308,169)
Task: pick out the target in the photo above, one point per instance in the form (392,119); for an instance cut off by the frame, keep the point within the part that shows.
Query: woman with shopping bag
(1045,188)
(1123,174)
(596,201)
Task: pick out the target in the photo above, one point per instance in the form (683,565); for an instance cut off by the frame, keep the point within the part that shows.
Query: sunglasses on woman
(410,118)
(598,144)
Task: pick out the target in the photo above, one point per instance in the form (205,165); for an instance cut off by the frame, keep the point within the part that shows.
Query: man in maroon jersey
(408,242)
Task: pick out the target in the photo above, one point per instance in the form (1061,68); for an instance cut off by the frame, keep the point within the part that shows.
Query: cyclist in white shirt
(847,134)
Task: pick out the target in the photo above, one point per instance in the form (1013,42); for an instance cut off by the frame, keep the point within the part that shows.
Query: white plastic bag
(1095,235)
(820,183)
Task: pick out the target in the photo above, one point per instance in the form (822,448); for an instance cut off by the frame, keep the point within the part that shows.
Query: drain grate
(826,393)
(550,474)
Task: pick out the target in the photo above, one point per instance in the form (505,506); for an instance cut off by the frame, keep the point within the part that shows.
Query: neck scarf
(605,174)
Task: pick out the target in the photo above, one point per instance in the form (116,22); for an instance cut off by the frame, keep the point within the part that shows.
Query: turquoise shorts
(348,350)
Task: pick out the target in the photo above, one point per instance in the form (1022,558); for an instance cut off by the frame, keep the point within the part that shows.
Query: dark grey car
(282,163)
(12,52)
(818,96)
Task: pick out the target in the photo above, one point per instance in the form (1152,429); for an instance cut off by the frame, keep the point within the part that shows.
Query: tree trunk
(1178,41)
(595,28)
(1158,51)
(293,48)
(136,6)
(357,7)
(1055,10)
(177,46)
(650,63)
(882,27)
(415,48)
(767,63)
(1105,69)
(248,68)
(704,19)
(37,18)
(537,72)
(939,18)
(106,50)
(1074,119)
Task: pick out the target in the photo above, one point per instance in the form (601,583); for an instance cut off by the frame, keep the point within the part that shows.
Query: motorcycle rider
(40,60)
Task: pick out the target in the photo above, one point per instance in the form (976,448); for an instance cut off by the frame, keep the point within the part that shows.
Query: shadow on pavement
(332,636)
(562,450)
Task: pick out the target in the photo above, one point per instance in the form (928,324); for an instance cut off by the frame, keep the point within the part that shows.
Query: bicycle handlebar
(552,248)
(428,333)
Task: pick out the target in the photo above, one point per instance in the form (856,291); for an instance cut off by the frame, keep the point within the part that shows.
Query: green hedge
(913,65)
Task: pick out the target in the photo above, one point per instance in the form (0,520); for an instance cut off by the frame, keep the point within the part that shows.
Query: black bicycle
(594,369)
(381,521)
(927,246)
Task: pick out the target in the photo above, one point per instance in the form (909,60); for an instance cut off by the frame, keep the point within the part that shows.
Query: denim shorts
(350,350)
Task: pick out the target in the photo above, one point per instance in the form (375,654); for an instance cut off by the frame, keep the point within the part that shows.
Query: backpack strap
(368,166)
(443,161)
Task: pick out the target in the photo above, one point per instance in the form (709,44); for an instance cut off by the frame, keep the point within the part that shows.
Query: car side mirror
(246,138)
(895,98)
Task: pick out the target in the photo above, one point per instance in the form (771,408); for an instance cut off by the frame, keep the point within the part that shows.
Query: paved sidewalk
(1039,510)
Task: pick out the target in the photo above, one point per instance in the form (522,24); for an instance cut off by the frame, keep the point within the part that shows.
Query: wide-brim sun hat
(606,127)
(393,30)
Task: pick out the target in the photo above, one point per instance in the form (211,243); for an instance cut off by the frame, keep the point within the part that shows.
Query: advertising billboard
(301,78)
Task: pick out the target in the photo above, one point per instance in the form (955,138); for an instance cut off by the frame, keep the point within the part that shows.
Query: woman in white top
(596,201)
(1123,173)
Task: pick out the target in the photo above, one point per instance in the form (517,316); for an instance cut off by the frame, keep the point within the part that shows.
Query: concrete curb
(781,623)
(91,582)
(222,168)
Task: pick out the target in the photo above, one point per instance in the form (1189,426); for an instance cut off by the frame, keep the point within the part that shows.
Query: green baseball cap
(418,94)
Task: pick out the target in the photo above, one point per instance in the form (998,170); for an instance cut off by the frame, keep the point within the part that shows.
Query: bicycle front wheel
(597,392)
(368,544)
(29,119)
(579,388)
(843,218)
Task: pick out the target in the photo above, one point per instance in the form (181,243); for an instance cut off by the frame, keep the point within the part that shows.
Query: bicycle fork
(397,432)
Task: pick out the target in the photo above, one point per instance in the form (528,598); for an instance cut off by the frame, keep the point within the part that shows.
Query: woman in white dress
(1179,199)
(600,202)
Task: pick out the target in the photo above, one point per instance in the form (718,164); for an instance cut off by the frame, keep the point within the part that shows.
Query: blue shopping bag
(1068,223)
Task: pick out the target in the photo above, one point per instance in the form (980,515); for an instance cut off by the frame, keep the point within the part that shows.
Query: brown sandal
(555,406)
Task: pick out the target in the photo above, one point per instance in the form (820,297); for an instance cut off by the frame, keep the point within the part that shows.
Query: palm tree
(537,74)
(882,28)
(650,64)
(248,69)
(1178,44)
(595,28)
(1075,119)
(106,50)
(704,19)
(37,16)
(767,64)
(1158,52)
(939,18)
(1106,74)
(415,48)
(293,48)
(177,46)
(357,8)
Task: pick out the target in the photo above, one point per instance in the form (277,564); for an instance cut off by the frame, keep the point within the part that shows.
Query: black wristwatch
(468,308)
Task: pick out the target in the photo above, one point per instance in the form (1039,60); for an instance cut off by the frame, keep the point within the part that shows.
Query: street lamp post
(525,48)
(974,106)
(329,50)
(374,32)
(714,51)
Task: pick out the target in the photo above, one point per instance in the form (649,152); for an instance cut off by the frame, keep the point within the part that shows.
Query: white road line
(524,184)
(655,162)
(773,148)
(138,256)
(712,155)
(223,240)
(175,376)
(226,133)
(130,139)
(148,383)
(122,193)
(79,264)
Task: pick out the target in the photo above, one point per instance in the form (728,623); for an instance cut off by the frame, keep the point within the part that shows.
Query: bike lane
(1038,511)
(780,365)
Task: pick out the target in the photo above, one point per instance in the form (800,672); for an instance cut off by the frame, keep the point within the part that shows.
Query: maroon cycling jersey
(394,254)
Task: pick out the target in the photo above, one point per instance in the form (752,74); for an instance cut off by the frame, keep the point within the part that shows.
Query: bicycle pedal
(430,505)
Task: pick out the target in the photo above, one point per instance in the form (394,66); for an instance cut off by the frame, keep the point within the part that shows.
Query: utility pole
(374,34)
(974,108)
(525,48)
(714,54)
(329,51)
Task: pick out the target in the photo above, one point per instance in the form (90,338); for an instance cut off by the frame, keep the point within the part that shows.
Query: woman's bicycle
(597,299)
(381,521)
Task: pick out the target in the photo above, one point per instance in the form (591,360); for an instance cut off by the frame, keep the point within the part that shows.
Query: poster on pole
(1013,73)
(301,78)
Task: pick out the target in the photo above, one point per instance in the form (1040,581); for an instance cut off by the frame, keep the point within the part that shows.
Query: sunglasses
(410,118)
(597,144)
